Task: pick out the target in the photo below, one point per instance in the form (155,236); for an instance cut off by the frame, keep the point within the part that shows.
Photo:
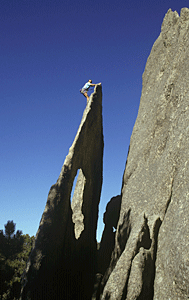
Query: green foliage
(9,229)
(14,253)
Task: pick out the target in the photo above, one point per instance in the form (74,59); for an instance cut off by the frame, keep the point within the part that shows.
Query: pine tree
(14,252)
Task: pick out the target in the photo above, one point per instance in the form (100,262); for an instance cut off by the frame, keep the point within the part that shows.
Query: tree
(9,229)
(11,243)
(14,252)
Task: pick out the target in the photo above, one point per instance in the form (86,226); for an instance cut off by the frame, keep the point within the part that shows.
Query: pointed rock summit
(147,258)
(151,254)
(63,261)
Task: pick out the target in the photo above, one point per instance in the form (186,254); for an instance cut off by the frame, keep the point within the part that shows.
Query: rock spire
(148,255)
(63,261)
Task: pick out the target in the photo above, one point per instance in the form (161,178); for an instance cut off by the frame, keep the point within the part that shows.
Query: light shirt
(87,86)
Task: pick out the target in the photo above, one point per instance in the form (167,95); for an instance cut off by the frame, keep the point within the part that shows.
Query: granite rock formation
(63,262)
(110,219)
(147,257)
(107,243)
(151,255)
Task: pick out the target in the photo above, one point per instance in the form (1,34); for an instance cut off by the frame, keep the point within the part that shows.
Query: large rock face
(63,261)
(150,260)
(151,254)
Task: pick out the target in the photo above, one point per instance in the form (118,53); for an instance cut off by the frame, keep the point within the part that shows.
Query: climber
(86,87)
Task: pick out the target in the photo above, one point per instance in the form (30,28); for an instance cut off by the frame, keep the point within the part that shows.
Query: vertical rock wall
(62,264)
(151,255)
(107,242)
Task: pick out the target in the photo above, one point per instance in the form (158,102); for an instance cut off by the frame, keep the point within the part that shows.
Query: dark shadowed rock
(63,262)
(151,255)
(107,243)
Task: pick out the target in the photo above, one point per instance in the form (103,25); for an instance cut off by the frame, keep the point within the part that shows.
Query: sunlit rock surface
(151,254)
(150,258)
(63,263)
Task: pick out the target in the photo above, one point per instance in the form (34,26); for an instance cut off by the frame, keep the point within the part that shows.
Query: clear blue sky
(48,50)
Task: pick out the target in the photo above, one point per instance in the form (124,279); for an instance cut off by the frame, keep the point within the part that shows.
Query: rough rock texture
(76,205)
(107,243)
(111,217)
(151,254)
(63,262)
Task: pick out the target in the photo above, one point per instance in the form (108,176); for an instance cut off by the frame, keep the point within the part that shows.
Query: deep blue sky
(48,50)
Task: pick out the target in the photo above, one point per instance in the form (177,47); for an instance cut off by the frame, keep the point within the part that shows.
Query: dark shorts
(83,91)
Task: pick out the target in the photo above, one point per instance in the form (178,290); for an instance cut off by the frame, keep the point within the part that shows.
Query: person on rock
(86,87)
